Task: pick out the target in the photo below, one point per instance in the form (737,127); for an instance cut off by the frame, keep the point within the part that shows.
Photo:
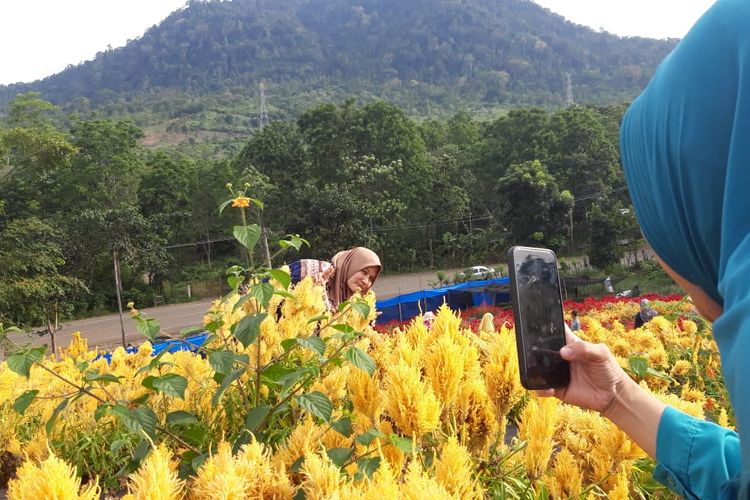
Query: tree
(33,291)
(534,210)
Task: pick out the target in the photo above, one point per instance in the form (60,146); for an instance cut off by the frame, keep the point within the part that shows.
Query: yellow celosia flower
(681,367)
(537,427)
(383,485)
(410,402)
(723,419)
(250,474)
(241,202)
(475,416)
(566,476)
(501,371)
(453,471)
(418,485)
(322,478)
(156,479)
(444,368)
(51,478)
(365,394)
(621,488)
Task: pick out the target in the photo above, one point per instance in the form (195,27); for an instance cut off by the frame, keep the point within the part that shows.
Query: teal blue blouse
(685,144)
(696,458)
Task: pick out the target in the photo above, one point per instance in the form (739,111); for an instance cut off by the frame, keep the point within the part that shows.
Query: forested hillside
(423,194)
(200,69)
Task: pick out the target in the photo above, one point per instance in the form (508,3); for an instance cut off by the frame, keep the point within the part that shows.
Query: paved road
(105,331)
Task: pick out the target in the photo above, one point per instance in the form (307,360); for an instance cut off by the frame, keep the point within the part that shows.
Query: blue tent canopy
(462,296)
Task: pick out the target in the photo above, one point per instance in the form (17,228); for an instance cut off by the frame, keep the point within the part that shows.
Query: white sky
(41,37)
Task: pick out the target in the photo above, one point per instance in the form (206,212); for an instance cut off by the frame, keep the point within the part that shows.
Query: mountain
(431,57)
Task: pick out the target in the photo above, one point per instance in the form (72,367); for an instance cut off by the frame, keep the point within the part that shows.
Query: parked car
(479,273)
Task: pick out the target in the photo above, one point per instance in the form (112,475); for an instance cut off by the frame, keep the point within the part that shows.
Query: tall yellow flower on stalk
(566,480)
(241,202)
(383,485)
(444,368)
(365,394)
(156,479)
(411,403)
(323,479)
(477,424)
(418,485)
(621,487)
(501,370)
(453,470)
(50,478)
(537,427)
(250,474)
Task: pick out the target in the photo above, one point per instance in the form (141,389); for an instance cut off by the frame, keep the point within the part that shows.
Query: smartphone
(537,310)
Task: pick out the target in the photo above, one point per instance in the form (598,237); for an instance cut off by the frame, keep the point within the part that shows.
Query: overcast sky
(41,37)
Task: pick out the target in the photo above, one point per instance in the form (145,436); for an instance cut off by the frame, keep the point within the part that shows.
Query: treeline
(422,194)
(425,55)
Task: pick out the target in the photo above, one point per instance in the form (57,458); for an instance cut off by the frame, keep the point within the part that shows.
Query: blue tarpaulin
(462,296)
(399,308)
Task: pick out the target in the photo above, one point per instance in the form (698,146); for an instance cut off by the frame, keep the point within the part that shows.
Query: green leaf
(221,361)
(256,416)
(288,344)
(315,344)
(56,413)
(406,445)
(660,375)
(343,328)
(366,438)
(115,446)
(639,365)
(190,330)
(170,384)
(340,456)
(146,418)
(149,327)
(181,418)
(224,205)
(24,400)
(315,319)
(248,328)
(225,383)
(258,203)
(368,466)
(284,293)
(291,378)
(343,426)
(20,362)
(236,270)
(317,404)
(282,277)
(234,281)
(343,305)
(101,410)
(361,307)
(262,292)
(361,360)
(247,235)
(101,377)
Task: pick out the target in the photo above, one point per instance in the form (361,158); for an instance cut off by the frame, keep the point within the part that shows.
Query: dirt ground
(105,331)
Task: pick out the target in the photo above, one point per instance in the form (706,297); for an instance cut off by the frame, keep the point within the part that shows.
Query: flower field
(287,400)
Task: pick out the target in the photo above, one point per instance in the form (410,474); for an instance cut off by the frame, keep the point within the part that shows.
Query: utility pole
(118,288)
(263,110)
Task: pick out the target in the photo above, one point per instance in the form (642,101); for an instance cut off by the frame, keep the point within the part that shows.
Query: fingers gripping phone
(537,309)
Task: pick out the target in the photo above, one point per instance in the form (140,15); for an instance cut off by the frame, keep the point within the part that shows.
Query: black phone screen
(539,319)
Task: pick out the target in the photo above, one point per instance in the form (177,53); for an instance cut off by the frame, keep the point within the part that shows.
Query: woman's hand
(597,382)
(595,376)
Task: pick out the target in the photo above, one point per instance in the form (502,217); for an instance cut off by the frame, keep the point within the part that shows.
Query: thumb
(583,351)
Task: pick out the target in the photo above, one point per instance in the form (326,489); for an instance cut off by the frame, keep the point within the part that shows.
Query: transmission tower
(263,110)
(568,90)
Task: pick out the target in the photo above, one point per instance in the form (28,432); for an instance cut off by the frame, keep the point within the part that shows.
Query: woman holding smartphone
(685,146)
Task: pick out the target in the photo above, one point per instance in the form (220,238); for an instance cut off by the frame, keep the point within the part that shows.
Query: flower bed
(294,400)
